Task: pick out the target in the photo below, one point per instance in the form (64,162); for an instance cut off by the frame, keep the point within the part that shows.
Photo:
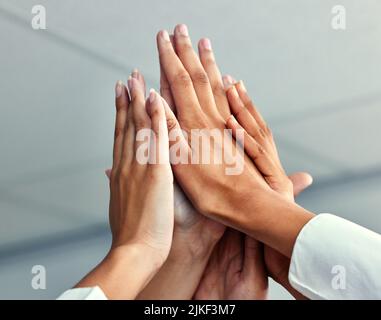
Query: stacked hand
(176,234)
(239,266)
(141,195)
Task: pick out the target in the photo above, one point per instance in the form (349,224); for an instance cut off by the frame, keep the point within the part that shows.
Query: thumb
(300,181)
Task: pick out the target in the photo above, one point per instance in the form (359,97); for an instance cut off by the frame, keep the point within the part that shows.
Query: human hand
(200,232)
(235,271)
(196,109)
(260,146)
(196,231)
(141,181)
(141,195)
(194,238)
(201,103)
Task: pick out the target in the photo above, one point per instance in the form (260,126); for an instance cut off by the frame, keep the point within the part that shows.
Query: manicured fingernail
(164,35)
(234,91)
(242,86)
(228,81)
(183,30)
(152,95)
(129,83)
(206,44)
(135,73)
(118,89)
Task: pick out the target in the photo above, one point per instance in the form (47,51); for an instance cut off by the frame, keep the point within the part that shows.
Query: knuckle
(268,131)
(200,77)
(122,174)
(119,106)
(118,132)
(184,46)
(239,112)
(137,98)
(140,124)
(171,124)
(218,90)
(155,112)
(260,151)
(181,78)
(250,105)
(262,133)
(209,60)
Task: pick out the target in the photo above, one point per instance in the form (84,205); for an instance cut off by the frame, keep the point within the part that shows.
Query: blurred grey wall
(318,88)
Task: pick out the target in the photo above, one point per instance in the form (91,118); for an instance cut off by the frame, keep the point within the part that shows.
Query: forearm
(129,265)
(181,273)
(272,220)
(280,225)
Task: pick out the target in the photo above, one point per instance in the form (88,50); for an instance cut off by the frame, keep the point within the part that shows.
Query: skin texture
(200,102)
(238,271)
(141,197)
(188,219)
(195,236)
(260,146)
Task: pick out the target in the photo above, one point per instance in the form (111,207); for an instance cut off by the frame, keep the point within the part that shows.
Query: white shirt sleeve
(94,293)
(336,259)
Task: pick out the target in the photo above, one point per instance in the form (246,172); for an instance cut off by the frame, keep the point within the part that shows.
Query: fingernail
(242,86)
(228,81)
(152,95)
(129,83)
(206,44)
(183,30)
(234,91)
(165,35)
(118,89)
(135,73)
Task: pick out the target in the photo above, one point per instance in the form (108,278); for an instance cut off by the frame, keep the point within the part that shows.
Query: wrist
(185,264)
(144,257)
(127,264)
(274,220)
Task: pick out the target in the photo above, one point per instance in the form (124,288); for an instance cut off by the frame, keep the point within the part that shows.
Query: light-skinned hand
(141,195)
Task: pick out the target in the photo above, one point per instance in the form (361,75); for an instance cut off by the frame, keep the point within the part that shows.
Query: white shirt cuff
(336,259)
(94,293)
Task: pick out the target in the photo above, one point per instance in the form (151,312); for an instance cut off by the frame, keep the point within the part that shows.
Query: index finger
(179,80)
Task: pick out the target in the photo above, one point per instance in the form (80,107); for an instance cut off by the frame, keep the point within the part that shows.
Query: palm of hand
(235,270)
(189,221)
